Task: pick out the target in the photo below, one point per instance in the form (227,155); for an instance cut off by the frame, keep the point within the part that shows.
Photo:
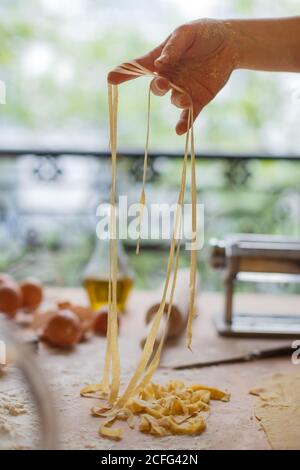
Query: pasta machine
(257,259)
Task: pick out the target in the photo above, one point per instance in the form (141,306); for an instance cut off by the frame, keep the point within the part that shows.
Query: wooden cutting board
(230,426)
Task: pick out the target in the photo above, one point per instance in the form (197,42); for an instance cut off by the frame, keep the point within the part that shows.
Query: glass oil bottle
(96,275)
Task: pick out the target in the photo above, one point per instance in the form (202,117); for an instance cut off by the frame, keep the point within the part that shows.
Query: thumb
(174,49)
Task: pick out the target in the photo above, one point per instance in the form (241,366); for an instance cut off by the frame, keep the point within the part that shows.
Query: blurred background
(54,166)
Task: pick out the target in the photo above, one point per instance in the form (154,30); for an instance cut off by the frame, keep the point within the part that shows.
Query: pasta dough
(278,411)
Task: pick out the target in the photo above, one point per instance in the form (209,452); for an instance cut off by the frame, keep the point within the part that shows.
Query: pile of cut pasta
(162,410)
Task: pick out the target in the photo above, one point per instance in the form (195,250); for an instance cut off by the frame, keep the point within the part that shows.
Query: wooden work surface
(230,425)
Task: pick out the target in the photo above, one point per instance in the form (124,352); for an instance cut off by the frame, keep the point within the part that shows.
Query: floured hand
(198,57)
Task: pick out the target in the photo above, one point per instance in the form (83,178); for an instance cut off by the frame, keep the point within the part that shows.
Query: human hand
(197,57)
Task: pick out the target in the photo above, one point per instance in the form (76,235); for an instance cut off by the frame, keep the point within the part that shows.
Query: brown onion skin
(10,298)
(32,293)
(63,330)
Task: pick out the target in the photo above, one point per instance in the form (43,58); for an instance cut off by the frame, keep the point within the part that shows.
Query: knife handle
(269,353)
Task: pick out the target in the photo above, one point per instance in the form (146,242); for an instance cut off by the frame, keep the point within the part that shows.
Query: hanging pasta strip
(155,362)
(107,360)
(112,307)
(193,262)
(143,194)
(153,365)
(128,72)
(137,69)
(148,348)
(158,407)
(155,325)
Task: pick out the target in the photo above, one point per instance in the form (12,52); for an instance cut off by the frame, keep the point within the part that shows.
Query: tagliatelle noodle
(136,69)
(157,417)
(113,348)
(178,226)
(143,195)
(148,348)
(193,266)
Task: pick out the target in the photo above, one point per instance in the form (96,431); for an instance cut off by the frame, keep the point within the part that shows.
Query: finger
(180,100)
(116,78)
(182,125)
(180,40)
(160,86)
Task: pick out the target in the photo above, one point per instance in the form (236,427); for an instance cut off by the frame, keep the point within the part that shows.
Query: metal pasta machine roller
(258,259)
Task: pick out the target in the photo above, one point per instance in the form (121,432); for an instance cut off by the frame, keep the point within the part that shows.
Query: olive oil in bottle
(97,289)
(96,275)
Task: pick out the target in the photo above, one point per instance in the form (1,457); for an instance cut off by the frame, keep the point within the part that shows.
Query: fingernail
(181,128)
(162,60)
